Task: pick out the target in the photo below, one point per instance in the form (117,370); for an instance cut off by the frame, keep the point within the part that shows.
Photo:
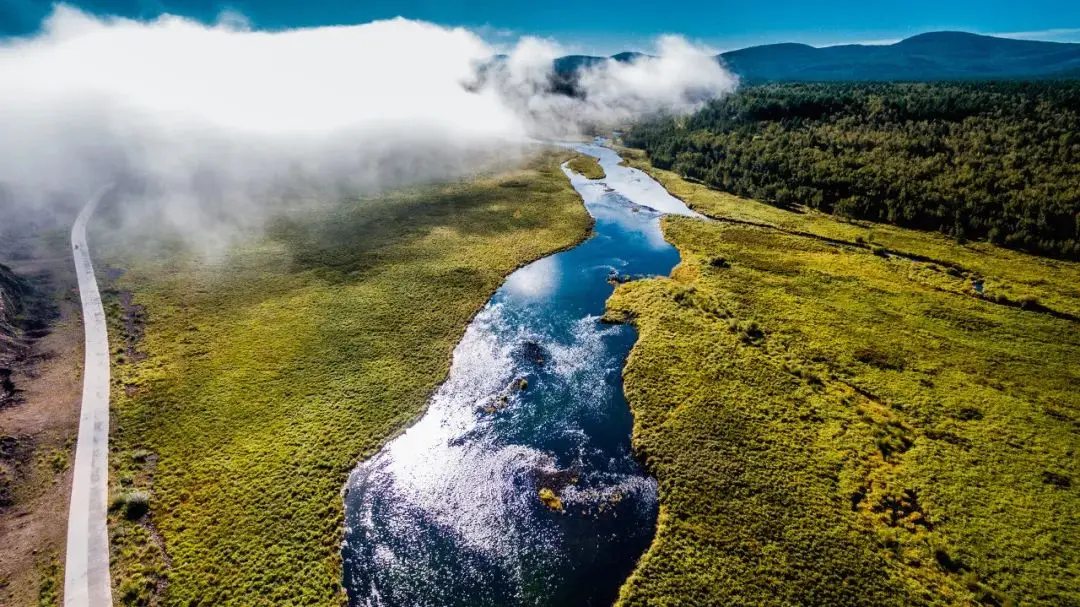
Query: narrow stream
(449,513)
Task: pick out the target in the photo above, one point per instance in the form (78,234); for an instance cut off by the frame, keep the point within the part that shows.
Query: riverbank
(267,378)
(853,414)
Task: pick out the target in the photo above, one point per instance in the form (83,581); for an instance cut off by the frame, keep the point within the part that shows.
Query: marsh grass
(272,373)
(891,439)
(587,166)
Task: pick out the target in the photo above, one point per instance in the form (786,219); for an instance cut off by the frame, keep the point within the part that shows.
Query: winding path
(86,573)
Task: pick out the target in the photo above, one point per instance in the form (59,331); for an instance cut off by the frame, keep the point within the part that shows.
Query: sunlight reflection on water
(448,513)
(535,280)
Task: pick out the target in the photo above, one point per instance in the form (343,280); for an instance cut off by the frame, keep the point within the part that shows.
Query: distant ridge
(570,63)
(929,56)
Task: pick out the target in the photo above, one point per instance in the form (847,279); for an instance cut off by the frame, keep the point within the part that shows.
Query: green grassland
(269,374)
(836,416)
(587,166)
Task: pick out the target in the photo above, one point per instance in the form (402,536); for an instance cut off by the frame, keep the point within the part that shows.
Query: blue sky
(608,27)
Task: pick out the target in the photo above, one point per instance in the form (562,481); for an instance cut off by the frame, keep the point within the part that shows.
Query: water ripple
(450,512)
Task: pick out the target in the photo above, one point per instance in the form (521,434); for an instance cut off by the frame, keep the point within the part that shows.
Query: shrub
(878,358)
(751,332)
(134,504)
(968,414)
(1058,480)
(803,373)
(58,461)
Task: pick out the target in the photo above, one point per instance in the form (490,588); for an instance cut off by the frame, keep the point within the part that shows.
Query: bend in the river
(450,512)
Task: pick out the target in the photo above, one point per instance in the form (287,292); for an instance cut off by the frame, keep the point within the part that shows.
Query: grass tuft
(133,504)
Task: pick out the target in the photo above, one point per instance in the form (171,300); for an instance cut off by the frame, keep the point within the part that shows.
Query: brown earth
(38,424)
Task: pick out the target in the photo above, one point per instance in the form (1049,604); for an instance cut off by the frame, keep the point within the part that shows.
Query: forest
(989,161)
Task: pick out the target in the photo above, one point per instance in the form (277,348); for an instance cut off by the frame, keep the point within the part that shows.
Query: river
(450,513)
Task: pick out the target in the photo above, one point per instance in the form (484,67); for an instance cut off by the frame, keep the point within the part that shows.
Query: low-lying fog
(202,125)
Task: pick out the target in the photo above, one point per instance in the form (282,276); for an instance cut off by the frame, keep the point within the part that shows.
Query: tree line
(994,161)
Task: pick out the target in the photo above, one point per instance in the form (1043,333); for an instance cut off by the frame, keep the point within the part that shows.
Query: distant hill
(570,63)
(930,56)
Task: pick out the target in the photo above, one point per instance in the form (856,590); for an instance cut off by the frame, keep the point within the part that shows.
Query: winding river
(450,512)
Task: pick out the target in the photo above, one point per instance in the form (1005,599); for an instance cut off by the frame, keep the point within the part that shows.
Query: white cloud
(210,121)
(678,78)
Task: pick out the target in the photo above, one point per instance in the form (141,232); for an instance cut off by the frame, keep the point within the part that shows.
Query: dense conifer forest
(993,161)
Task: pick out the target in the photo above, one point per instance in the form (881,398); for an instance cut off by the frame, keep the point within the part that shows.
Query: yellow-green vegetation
(550,499)
(51,579)
(268,376)
(837,417)
(58,460)
(587,166)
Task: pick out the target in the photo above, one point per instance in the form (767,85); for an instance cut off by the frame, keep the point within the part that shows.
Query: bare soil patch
(39,412)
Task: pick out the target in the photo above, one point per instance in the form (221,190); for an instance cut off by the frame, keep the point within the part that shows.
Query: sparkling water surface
(449,512)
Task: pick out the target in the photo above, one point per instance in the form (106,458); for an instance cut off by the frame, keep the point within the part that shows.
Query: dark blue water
(449,513)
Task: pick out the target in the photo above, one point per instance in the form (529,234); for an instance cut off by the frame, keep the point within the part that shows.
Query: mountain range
(929,56)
